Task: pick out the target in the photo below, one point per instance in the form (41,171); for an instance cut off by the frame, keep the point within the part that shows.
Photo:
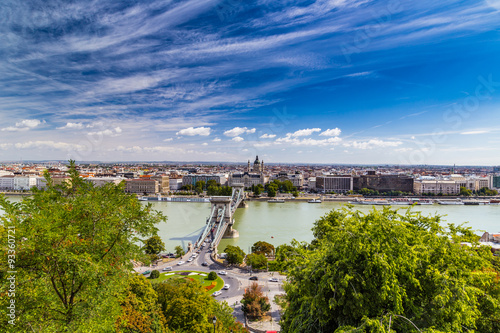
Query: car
(190,259)
(194,255)
(168,268)
(217,293)
(226,287)
(222,273)
(253,278)
(180,263)
(146,272)
(273,279)
(204,263)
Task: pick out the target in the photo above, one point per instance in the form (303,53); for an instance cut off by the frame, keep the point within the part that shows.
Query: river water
(279,223)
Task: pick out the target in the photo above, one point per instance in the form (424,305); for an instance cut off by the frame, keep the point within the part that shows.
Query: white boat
(276,201)
(450,202)
(142,198)
(423,202)
(400,202)
(314,201)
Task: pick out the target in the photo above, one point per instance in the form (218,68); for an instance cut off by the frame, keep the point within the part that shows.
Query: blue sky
(326,81)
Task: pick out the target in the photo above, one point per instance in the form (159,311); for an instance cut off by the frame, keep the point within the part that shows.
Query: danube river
(279,223)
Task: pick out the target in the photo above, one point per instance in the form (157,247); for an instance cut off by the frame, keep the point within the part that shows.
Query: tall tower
(262,167)
(248,168)
(256,164)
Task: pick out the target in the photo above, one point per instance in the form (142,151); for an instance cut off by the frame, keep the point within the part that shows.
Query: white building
(100,181)
(175,184)
(24,183)
(7,183)
(438,186)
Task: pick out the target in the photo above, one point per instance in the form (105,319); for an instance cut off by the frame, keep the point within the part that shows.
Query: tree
(179,251)
(212,276)
(254,303)
(366,272)
(257,260)
(272,189)
(154,245)
(188,308)
(262,247)
(75,247)
(257,190)
(465,192)
(234,254)
(140,311)
(154,274)
(212,182)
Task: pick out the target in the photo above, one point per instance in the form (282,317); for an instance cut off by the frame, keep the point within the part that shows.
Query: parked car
(168,268)
(222,273)
(180,263)
(204,263)
(217,293)
(253,278)
(146,273)
(190,259)
(273,279)
(226,287)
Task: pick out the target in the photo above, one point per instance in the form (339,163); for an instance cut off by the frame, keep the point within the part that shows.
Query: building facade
(297,178)
(337,184)
(383,183)
(192,179)
(448,187)
(142,186)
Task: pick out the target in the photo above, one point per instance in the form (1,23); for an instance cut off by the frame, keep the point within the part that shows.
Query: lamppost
(214,320)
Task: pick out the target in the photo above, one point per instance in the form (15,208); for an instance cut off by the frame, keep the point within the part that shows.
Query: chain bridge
(220,222)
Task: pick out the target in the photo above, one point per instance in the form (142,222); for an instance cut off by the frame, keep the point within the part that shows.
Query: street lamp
(214,320)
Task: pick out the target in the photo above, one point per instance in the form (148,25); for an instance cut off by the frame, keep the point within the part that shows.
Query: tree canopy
(74,252)
(262,247)
(390,272)
(154,245)
(234,254)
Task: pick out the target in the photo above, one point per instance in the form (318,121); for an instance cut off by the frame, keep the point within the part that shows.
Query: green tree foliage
(235,255)
(216,189)
(75,246)
(272,189)
(188,308)
(154,274)
(262,247)
(212,276)
(484,191)
(465,192)
(257,189)
(179,251)
(140,309)
(257,261)
(254,303)
(154,245)
(366,272)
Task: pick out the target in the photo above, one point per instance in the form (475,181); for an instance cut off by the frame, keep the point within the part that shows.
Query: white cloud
(72,126)
(168,140)
(192,131)
(474,132)
(331,132)
(238,131)
(373,143)
(263,144)
(216,140)
(107,132)
(204,144)
(49,144)
(4,146)
(309,141)
(24,125)
(267,136)
(237,139)
(304,132)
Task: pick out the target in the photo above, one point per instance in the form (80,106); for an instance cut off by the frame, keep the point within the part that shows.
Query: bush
(154,274)
(212,276)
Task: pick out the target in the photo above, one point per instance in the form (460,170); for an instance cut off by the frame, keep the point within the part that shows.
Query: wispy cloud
(192,131)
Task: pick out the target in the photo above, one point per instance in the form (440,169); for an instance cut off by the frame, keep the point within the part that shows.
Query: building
(495,182)
(192,179)
(7,183)
(24,183)
(296,178)
(163,182)
(100,181)
(175,184)
(253,176)
(438,186)
(142,186)
(383,183)
(332,183)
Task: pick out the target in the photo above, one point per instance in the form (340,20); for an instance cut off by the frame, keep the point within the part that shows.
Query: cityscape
(227,166)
